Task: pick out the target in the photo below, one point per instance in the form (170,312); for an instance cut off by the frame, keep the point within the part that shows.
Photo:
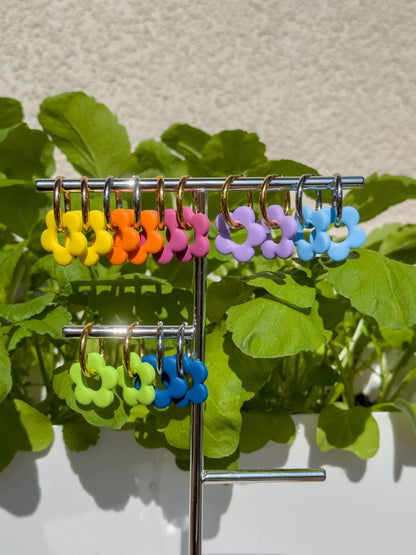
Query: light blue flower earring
(319,240)
(321,219)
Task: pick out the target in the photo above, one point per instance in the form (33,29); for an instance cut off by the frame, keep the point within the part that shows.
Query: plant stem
(42,365)
(349,394)
(394,372)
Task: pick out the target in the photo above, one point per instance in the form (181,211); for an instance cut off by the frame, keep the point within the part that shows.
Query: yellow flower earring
(95,220)
(70,222)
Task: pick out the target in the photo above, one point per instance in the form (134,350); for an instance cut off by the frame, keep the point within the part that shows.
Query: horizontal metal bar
(204,183)
(147,332)
(292,475)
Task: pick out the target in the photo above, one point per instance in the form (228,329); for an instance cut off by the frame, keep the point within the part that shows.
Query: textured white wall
(327,83)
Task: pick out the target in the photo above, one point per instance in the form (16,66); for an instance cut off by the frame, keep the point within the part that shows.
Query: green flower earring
(92,371)
(134,376)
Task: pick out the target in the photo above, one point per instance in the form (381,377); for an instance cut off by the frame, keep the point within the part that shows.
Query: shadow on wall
(118,469)
(353,466)
(404,436)
(19,484)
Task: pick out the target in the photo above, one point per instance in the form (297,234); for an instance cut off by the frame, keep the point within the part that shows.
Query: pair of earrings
(95,380)
(317,222)
(258,233)
(136,232)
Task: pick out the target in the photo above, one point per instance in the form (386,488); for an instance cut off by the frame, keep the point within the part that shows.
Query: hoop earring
(58,188)
(81,373)
(188,219)
(160,200)
(85,203)
(244,217)
(108,185)
(135,377)
(298,198)
(337,199)
(137,201)
(285,247)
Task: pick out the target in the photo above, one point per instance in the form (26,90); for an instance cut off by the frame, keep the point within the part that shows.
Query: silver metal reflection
(203,183)
(282,475)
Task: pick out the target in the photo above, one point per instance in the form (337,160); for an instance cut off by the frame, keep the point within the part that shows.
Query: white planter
(119,498)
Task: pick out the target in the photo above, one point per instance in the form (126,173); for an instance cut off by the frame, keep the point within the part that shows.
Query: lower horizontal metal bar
(292,475)
(108,331)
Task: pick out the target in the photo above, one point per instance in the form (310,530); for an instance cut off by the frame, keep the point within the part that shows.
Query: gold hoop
(126,348)
(160,200)
(262,200)
(85,203)
(286,209)
(82,349)
(58,188)
(179,202)
(224,201)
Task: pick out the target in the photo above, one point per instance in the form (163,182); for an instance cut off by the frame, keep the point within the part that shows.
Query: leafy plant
(283,336)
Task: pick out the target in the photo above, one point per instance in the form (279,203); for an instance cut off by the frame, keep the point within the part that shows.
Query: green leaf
(222,417)
(400,244)
(378,287)
(26,154)
(266,328)
(295,289)
(78,436)
(260,428)
(5,372)
(253,372)
(51,324)
(90,136)
(17,336)
(379,193)
(188,141)
(155,158)
(9,257)
(353,429)
(22,311)
(147,434)
(64,275)
(22,428)
(232,152)
(282,167)
(114,416)
(377,236)
(11,112)
(21,207)
(398,339)
(409,409)
(225,293)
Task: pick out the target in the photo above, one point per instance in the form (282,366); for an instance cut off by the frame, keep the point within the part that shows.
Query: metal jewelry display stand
(200,188)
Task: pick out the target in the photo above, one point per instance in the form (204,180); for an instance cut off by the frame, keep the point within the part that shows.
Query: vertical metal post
(196,448)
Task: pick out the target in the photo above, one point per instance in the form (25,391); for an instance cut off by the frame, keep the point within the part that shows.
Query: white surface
(120,498)
(330,84)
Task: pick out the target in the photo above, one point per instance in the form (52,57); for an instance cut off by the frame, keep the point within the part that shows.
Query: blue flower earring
(320,220)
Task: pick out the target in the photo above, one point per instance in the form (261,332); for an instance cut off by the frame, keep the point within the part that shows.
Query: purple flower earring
(242,217)
(274,217)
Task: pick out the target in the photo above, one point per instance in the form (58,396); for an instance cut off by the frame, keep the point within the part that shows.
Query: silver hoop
(318,202)
(337,198)
(137,201)
(179,349)
(299,193)
(108,185)
(160,348)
